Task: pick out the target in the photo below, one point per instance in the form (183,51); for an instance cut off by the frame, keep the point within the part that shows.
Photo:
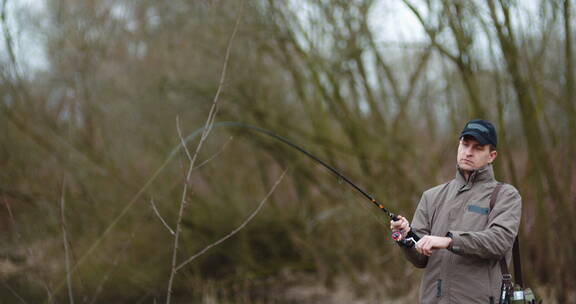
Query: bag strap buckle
(507,280)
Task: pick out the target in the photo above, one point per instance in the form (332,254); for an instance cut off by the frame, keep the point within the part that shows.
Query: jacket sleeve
(421,226)
(498,238)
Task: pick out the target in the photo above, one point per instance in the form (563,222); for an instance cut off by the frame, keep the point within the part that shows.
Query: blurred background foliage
(82,135)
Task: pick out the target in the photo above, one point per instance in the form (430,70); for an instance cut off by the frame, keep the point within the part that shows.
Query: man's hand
(429,243)
(401,225)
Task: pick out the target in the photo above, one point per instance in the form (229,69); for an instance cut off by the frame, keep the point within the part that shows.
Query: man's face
(472,155)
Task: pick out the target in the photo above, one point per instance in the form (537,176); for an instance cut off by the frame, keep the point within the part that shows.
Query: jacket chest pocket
(469,215)
(457,210)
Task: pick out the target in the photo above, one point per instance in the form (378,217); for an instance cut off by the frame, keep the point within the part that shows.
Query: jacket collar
(483,174)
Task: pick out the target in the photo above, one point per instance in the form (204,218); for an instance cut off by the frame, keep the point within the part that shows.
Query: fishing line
(340,176)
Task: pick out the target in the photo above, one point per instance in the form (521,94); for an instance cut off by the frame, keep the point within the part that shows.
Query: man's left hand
(429,243)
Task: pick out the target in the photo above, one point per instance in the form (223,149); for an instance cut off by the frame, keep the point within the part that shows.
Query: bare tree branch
(65,239)
(215,155)
(183,201)
(111,270)
(28,249)
(8,41)
(160,217)
(233,232)
(14,292)
(192,159)
(155,209)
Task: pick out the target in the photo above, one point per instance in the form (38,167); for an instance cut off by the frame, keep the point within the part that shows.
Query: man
(462,239)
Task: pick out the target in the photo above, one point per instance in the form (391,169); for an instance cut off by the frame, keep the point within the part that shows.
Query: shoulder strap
(515,250)
(517,263)
(494,195)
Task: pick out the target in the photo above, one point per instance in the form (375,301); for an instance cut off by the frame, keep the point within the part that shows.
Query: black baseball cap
(482,130)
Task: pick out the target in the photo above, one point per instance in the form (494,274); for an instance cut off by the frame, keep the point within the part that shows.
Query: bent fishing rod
(195,134)
(395,235)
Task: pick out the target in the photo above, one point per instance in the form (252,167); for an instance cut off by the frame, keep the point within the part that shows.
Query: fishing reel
(397,235)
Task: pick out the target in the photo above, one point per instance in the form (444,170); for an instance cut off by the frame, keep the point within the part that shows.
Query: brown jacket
(468,272)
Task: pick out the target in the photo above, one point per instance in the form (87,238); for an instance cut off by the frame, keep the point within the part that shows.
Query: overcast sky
(390,18)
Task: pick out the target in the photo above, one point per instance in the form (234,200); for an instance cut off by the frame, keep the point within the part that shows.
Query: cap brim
(477,135)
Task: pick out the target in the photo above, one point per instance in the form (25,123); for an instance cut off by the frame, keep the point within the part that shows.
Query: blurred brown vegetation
(90,130)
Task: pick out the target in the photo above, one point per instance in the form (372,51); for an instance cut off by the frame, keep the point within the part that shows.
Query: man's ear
(493,155)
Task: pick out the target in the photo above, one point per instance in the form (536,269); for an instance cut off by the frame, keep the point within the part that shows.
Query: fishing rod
(194,135)
(395,235)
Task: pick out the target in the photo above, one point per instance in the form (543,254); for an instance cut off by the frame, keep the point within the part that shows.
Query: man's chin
(466,167)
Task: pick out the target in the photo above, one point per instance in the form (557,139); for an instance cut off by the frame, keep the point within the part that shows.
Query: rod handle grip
(396,234)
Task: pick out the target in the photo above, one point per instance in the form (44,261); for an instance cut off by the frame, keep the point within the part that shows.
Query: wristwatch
(450,235)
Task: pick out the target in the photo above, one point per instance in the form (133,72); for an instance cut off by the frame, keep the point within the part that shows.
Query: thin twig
(140,192)
(215,155)
(8,41)
(65,239)
(160,217)
(192,159)
(10,214)
(143,298)
(233,232)
(183,142)
(28,249)
(14,292)
(195,168)
(111,270)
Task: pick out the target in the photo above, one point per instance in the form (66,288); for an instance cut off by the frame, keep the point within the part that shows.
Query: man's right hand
(401,225)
